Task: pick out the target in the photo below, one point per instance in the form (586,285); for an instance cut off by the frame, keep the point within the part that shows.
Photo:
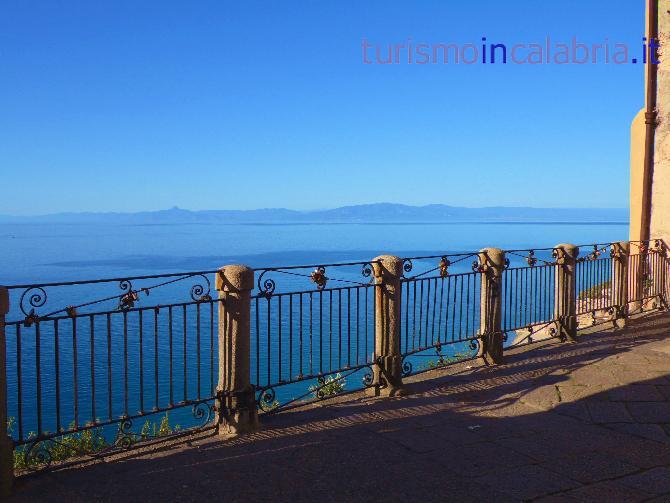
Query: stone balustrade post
(387,371)
(565,291)
(6,444)
(236,399)
(620,260)
(659,266)
(491,267)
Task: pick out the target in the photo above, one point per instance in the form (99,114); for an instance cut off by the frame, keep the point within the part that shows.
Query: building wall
(660,195)
(660,198)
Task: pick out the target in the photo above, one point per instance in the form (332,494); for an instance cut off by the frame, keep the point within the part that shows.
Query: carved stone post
(565,291)
(636,272)
(236,404)
(6,444)
(491,266)
(658,262)
(387,371)
(620,259)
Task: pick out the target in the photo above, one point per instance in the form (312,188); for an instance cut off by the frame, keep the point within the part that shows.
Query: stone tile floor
(563,422)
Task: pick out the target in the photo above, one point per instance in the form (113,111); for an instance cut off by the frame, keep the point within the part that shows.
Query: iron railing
(114,357)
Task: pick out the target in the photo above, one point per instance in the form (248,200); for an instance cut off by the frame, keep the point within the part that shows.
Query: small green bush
(328,386)
(90,441)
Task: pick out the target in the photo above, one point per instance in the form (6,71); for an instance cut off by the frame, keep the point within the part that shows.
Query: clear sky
(134,105)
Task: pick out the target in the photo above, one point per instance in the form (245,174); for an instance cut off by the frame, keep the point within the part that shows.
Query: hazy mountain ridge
(366,213)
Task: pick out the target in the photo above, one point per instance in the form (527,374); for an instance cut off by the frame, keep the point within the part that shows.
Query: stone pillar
(491,266)
(658,262)
(6,444)
(565,291)
(620,259)
(387,371)
(236,402)
(636,273)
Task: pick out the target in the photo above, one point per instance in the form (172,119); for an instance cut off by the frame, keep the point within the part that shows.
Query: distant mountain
(365,213)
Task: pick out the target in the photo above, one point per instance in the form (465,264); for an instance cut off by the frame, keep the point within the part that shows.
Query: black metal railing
(440,311)
(95,366)
(312,332)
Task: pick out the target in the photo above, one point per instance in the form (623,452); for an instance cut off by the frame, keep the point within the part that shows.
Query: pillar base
(387,378)
(6,466)
(492,349)
(238,413)
(386,391)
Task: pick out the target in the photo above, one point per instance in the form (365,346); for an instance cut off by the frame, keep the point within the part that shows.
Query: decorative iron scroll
(267,285)
(266,396)
(35,296)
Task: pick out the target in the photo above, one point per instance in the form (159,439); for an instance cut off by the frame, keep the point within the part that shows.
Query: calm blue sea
(33,253)
(42,253)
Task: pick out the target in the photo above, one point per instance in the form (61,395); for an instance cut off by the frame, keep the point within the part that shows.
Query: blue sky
(125,106)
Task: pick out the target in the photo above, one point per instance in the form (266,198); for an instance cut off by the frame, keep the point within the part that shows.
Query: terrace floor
(586,421)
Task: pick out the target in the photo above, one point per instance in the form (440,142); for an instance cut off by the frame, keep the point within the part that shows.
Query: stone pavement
(561,422)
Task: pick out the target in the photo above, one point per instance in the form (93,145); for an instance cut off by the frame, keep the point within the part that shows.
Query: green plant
(89,441)
(327,386)
(446,360)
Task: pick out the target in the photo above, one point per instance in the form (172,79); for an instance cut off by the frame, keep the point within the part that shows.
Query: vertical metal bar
(156,357)
(330,330)
(75,373)
(339,327)
(19,386)
(467,307)
(311,330)
(125,363)
(300,328)
(407,348)
(414,315)
(171,353)
(439,320)
(267,349)
(453,310)
(348,327)
(185,364)
(57,365)
(279,331)
(258,344)
(432,334)
(38,377)
(367,316)
(421,313)
(92,327)
(211,348)
(140,314)
(320,331)
(460,310)
(290,336)
(110,412)
(198,348)
(358,324)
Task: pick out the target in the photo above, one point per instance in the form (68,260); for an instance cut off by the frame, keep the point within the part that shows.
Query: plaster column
(387,371)
(565,291)
(491,266)
(6,444)
(236,403)
(620,259)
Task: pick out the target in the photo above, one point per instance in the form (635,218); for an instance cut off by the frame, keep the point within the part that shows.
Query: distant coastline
(381,213)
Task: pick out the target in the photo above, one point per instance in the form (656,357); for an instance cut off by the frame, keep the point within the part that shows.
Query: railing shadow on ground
(467,435)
